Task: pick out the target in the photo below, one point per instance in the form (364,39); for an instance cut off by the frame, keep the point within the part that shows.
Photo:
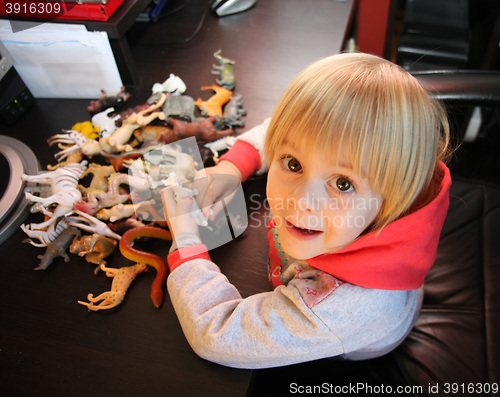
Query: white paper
(59,62)
(16,26)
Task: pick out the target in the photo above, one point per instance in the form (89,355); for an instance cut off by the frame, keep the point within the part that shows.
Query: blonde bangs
(372,114)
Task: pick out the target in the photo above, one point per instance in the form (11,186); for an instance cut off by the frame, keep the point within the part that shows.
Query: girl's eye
(291,164)
(342,184)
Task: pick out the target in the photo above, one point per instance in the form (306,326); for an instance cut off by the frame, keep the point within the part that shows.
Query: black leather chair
(435,34)
(461,91)
(454,348)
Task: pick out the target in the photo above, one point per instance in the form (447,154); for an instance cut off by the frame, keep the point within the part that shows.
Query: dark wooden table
(49,344)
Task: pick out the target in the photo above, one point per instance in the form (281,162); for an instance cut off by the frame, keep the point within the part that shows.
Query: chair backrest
(462,87)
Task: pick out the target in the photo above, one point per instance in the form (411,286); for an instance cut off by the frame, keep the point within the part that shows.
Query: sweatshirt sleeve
(282,327)
(247,151)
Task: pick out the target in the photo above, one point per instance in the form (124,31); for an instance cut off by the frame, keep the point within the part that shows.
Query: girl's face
(319,204)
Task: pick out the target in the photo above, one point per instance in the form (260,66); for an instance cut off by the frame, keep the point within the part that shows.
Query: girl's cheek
(273,183)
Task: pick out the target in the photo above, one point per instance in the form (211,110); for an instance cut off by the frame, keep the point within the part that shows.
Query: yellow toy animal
(87,129)
(213,106)
(100,174)
(122,278)
(94,248)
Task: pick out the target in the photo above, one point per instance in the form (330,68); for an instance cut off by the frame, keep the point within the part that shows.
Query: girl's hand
(178,213)
(214,184)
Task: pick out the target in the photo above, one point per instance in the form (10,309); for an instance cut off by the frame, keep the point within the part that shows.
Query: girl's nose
(310,196)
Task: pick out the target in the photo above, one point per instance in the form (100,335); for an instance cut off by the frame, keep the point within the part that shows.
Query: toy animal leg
(38,207)
(98,298)
(144,120)
(95,258)
(109,300)
(110,271)
(66,152)
(101,306)
(32,233)
(39,235)
(62,253)
(216,69)
(39,245)
(59,212)
(43,200)
(43,225)
(40,178)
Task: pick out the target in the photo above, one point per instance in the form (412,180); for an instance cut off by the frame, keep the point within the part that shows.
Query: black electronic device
(15,97)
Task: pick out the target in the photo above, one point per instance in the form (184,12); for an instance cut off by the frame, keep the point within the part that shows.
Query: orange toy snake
(146,257)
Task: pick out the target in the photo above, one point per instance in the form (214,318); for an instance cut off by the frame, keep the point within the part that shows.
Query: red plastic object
(59,10)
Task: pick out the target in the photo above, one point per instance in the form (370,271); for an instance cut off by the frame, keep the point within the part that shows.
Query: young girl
(358,195)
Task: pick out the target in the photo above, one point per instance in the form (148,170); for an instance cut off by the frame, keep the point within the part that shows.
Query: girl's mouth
(301,233)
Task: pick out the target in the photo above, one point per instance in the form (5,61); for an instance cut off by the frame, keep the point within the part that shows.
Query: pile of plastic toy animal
(104,190)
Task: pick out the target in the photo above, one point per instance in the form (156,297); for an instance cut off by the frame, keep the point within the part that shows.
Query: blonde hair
(377,116)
